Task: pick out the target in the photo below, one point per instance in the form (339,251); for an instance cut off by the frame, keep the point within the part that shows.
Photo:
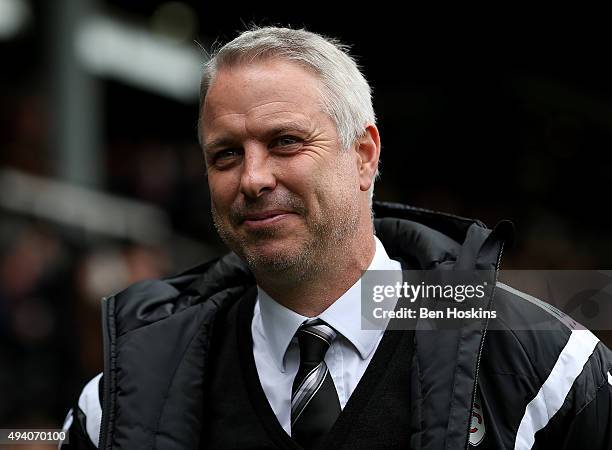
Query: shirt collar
(279,325)
(344,315)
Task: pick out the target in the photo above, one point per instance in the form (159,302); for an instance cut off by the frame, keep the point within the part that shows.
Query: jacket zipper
(484,334)
(106,373)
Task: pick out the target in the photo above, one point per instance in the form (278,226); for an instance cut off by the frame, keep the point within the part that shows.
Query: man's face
(284,194)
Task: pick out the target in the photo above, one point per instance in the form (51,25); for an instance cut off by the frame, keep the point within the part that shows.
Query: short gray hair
(346,96)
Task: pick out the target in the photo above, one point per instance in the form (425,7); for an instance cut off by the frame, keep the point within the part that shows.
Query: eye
(226,153)
(225,157)
(285,141)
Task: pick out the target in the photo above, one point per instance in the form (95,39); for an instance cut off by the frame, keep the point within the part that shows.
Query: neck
(314,294)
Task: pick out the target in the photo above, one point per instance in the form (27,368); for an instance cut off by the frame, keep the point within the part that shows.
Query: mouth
(265,218)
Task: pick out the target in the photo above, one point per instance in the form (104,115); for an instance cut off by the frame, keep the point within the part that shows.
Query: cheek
(303,183)
(322,183)
(221,192)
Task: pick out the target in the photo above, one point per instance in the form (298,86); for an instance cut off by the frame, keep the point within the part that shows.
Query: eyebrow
(217,143)
(288,127)
(284,127)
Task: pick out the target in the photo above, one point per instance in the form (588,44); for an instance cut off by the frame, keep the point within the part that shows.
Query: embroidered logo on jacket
(477,425)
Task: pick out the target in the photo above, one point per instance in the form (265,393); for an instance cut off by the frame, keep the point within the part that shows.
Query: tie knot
(314,338)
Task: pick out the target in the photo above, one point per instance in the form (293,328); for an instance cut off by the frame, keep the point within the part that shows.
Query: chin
(275,258)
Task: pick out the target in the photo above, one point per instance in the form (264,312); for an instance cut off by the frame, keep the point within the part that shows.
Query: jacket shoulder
(208,285)
(530,337)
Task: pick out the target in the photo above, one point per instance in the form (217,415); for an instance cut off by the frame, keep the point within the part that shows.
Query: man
(263,348)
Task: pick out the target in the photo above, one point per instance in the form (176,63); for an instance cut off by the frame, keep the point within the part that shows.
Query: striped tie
(314,400)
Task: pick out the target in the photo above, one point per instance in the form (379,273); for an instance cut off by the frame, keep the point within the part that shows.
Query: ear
(368,153)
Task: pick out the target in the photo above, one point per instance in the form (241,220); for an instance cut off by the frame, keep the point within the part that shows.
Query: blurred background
(102,182)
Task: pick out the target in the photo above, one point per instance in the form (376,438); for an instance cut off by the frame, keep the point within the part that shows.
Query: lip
(265,219)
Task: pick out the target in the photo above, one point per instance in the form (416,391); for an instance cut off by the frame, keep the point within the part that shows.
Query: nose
(257,172)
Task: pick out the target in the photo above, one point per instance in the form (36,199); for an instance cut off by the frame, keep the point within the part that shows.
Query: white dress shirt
(277,355)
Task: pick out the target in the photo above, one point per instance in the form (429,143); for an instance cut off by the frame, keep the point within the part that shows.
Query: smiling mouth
(265,219)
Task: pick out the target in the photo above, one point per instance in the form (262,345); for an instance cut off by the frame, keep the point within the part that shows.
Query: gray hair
(346,96)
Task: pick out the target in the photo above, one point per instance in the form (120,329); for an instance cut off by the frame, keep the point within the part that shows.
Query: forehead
(261,91)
